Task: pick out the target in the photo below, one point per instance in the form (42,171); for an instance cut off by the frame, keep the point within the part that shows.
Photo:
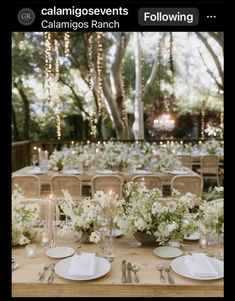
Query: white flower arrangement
(165,161)
(212,146)
(88,215)
(211,212)
(56,161)
(23,217)
(164,218)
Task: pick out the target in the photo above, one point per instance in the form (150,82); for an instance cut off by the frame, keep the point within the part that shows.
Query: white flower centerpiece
(211,212)
(212,146)
(87,216)
(162,218)
(23,217)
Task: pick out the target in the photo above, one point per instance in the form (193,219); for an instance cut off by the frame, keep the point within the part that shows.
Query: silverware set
(126,269)
(46,268)
(14,265)
(165,267)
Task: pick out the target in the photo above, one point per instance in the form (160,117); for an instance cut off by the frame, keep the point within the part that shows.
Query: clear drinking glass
(34,160)
(108,246)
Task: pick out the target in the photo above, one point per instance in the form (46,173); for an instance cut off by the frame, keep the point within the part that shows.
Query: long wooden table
(86,177)
(25,281)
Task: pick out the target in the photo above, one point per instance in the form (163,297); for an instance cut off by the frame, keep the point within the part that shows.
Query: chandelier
(164,123)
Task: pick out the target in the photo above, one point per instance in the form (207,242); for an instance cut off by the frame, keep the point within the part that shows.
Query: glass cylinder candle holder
(44,240)
(203,240)
(31,250)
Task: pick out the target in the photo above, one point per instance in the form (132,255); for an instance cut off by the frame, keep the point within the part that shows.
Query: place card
(199,265)
(83,265)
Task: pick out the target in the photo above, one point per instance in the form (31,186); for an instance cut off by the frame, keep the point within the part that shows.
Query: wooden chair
(106,184)
(209,169)
(150,181)
(29,183)
(186,160)
(72,183)
(188,183)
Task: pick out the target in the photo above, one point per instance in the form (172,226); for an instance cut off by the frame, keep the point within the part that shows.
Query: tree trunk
(15,126)
(26,111)
(138,126)
(116,102)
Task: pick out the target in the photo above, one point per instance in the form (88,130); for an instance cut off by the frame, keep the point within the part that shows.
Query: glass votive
(31,250)
(203,240)
(44,240)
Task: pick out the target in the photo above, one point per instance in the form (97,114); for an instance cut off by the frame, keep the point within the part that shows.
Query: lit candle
(72,142)
(46,155)
(31,250)
(98,142)
(44,239)
(35,148)
(203,241)
(51,222)
(181,142)
(88,142)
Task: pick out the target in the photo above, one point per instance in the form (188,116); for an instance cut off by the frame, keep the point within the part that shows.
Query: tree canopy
(105,77)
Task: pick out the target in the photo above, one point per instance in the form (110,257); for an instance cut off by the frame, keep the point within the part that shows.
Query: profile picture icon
(26,16)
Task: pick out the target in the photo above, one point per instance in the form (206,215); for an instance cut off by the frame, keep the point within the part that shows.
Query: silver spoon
(135,269)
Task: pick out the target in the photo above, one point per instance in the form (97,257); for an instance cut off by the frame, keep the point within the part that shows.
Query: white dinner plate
(106,172)
(141,172)
(167,252)
(60,252)
(178,172)
(62,268)
(193,236)
(72,171)
(117,232)
(179,266)
(35,171)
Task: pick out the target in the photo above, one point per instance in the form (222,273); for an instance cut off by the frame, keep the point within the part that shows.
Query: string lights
(57,96)
(99,62)
(90,85)
(90,68)
(202,125)
(54,101)
(66,43)
(123,111)
(48,63)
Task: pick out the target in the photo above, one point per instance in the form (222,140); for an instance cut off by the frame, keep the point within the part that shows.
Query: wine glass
(34,160)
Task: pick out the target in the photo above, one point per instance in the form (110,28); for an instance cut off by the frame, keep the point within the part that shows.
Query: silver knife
(128,279)
(123,269)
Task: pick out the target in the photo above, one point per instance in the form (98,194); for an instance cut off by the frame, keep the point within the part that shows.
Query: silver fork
(160,268)
(167,268)
(51,277)
(42,275)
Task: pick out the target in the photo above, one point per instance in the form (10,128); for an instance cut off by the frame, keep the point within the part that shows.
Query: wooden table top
(87,175)
(25,281)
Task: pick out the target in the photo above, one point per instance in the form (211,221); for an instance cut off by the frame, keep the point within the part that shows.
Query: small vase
(83,237)
(146,239)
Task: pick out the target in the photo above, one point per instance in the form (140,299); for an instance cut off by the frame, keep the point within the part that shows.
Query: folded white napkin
(199,265)
(82,265)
